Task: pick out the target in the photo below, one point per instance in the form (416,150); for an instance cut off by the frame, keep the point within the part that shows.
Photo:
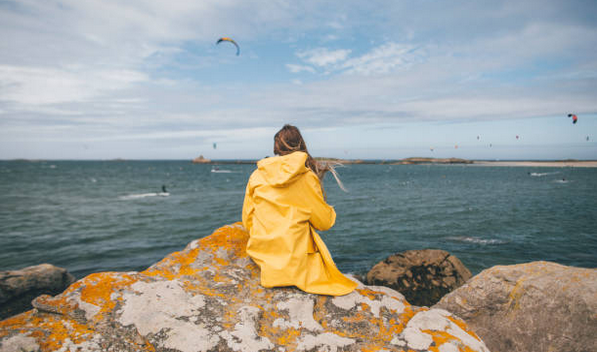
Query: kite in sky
(226,39)
(574,118)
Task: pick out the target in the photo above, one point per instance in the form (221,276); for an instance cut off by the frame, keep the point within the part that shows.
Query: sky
(361,79)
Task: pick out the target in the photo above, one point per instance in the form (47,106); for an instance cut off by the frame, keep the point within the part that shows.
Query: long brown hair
(289,140)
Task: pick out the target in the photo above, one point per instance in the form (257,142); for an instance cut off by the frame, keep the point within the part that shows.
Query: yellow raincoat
(283,206)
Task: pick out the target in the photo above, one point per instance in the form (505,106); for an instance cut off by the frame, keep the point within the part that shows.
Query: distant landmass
(427,161)
(409,161)
(201,160)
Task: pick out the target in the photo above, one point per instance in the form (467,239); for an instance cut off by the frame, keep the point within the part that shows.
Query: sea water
(90,216)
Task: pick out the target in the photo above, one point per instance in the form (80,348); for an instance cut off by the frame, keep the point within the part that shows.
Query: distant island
(428,161)
(201,160)
(539,163)
(410,161)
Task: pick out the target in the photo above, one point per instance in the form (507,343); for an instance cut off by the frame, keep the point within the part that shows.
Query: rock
(19,287)
(538,306)
(422,276)
(410,161)
(207,297)
(201,160)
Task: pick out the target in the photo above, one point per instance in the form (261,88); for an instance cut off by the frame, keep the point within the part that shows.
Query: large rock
(539,306)
(208,298)
(19,287)
(201,160)
(422,276)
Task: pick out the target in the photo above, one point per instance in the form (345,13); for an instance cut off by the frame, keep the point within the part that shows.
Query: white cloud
(114,69)
(40,85)
(323,57)
(299,68)
(383,59)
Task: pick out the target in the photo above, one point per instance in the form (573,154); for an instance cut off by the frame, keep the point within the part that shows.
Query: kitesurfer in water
(284,205)
(164,189)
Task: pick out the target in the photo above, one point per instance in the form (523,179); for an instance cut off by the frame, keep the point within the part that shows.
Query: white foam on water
(144,195)
(541,174)
(476,240)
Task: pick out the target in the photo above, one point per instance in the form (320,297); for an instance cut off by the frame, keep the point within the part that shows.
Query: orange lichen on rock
(15,323)
(100,287)
(175,265)
(283,336)
(439,338)
(233,238)
(208,297)
(464,327)
(61,329)
(49,330)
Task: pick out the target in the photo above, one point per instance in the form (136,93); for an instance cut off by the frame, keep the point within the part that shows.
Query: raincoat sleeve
(248,208)
(323,215)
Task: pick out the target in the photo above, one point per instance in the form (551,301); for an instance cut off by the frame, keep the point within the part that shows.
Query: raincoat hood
(280,171)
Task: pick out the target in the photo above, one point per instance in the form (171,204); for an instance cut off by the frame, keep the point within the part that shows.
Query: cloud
(385,58)
(323,57)
(298,68)
(40,85)
(113,70)
(382,59)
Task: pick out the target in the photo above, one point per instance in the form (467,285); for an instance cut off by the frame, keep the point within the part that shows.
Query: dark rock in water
(19,287)
(533,307)
(208,297)
(422,276)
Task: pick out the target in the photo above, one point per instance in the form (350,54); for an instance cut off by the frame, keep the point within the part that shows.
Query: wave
(144,195)
(541,174)
(476,240)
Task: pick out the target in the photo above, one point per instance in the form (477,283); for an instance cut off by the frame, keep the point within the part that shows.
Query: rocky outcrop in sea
(422,276)
(416,161)
(207,297)
(201,160)
(19,287)
(533,307)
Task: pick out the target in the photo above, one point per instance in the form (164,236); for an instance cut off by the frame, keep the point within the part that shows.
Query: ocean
(90,216)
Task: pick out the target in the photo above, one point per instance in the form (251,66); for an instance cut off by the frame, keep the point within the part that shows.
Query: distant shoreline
(446,161)
(556,163)
(406,161)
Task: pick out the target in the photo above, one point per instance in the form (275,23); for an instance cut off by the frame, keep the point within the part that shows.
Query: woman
(283,206)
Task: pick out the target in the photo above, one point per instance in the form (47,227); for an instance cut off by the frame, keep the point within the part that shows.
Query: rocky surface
(19,287)
(538,306)
(422,276)
(208,298)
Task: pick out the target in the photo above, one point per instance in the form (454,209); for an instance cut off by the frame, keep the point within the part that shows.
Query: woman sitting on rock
(284,204)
